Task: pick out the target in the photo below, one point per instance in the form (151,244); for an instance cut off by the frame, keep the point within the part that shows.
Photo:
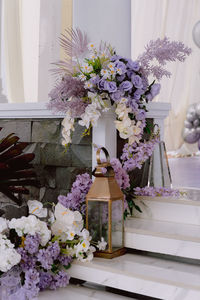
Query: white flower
(91,115)
(85,234)
(3,225)
(85,68)
(91,46)
(68,223)
(119,71)
(68,126)
(31,225)
(86,256)
(136,130)
(105,73)
(36,208)
(102,244)
(111,66)
(122,111)
(82,77)
(88,85)
(51,219)
(8,255)
(83,247)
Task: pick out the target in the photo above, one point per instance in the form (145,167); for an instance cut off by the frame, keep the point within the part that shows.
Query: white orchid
(36,208)
(90,116)
(68,126)
(101,245)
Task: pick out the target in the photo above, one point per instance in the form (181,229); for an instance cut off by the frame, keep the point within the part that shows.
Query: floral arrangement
(95,79)
(156,192)
(35,254)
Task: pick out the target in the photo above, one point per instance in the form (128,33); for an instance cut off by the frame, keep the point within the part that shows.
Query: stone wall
(56,168)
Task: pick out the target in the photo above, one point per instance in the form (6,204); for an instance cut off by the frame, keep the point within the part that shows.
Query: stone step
(185,209)
(144,275)
(75,292)
(163,237)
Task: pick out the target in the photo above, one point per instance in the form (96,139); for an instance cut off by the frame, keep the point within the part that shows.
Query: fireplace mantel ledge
(39,110)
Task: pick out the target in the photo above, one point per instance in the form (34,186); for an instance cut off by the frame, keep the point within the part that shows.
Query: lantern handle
(98,155)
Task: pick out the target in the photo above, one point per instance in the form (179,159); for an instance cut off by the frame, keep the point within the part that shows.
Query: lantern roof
(104,189)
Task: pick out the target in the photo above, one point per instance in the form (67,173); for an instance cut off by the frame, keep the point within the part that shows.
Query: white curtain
(175,19)
(30,31)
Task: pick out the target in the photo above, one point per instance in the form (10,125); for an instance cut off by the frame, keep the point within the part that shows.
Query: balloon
(196,34)
(198,130)
(190,135)
(198,109)
(188,124)
(191,117)
(196,123)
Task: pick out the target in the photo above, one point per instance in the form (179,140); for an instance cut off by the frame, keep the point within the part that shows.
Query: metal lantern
(105,209)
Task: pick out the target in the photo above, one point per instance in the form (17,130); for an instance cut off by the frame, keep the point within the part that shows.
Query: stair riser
(171,212)
(162,245)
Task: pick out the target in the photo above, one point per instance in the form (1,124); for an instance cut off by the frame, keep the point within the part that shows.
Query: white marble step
(185,209)
(163,237)
(75,292)
(143,275)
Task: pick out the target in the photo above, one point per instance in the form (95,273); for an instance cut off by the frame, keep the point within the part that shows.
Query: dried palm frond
(15,168)
(74,42)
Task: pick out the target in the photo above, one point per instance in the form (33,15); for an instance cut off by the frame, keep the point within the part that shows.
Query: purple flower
(32,280)
(155,89)
(133,105)
(95,80)
(76,198)
(129,73)
(120,65)
(64,259)
(137,94)
(133,65)
(137,81)
(27,261)
(45,280)
(60,280)
(110,86)
(54,250)
(141,115)
(101,84)
(125,86)
(32,243)
(45,258)
(116,96)
(115,57)
(149,97)
(120,78)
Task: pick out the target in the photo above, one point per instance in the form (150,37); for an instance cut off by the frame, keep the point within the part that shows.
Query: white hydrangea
(8,255)
(31,225)
(3,225)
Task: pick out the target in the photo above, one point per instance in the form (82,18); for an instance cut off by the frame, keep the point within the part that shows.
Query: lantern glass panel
(98,220)
(117,224)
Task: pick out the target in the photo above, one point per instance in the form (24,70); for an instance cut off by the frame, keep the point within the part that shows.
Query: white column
(2,97)
(108,21)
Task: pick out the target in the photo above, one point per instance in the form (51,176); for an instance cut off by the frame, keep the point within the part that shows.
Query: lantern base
(108,255)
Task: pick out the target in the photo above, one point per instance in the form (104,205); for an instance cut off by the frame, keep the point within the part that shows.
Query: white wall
(107,20)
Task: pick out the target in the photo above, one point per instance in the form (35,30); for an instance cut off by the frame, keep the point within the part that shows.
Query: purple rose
(120,78)
(120,65)
(141,115)
(133,105)
(155,89)
(138,93)
(125,86)
(133,65)
(110,86)
(115,57)
(149,97)
(130,73)
(101,84)
(95,80)
(117,95)
(137,81)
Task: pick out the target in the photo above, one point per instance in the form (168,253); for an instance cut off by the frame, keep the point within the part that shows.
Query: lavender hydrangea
(59,280)
(156,191)
(76,198)
(45,280)
(32,243)
(135,155)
